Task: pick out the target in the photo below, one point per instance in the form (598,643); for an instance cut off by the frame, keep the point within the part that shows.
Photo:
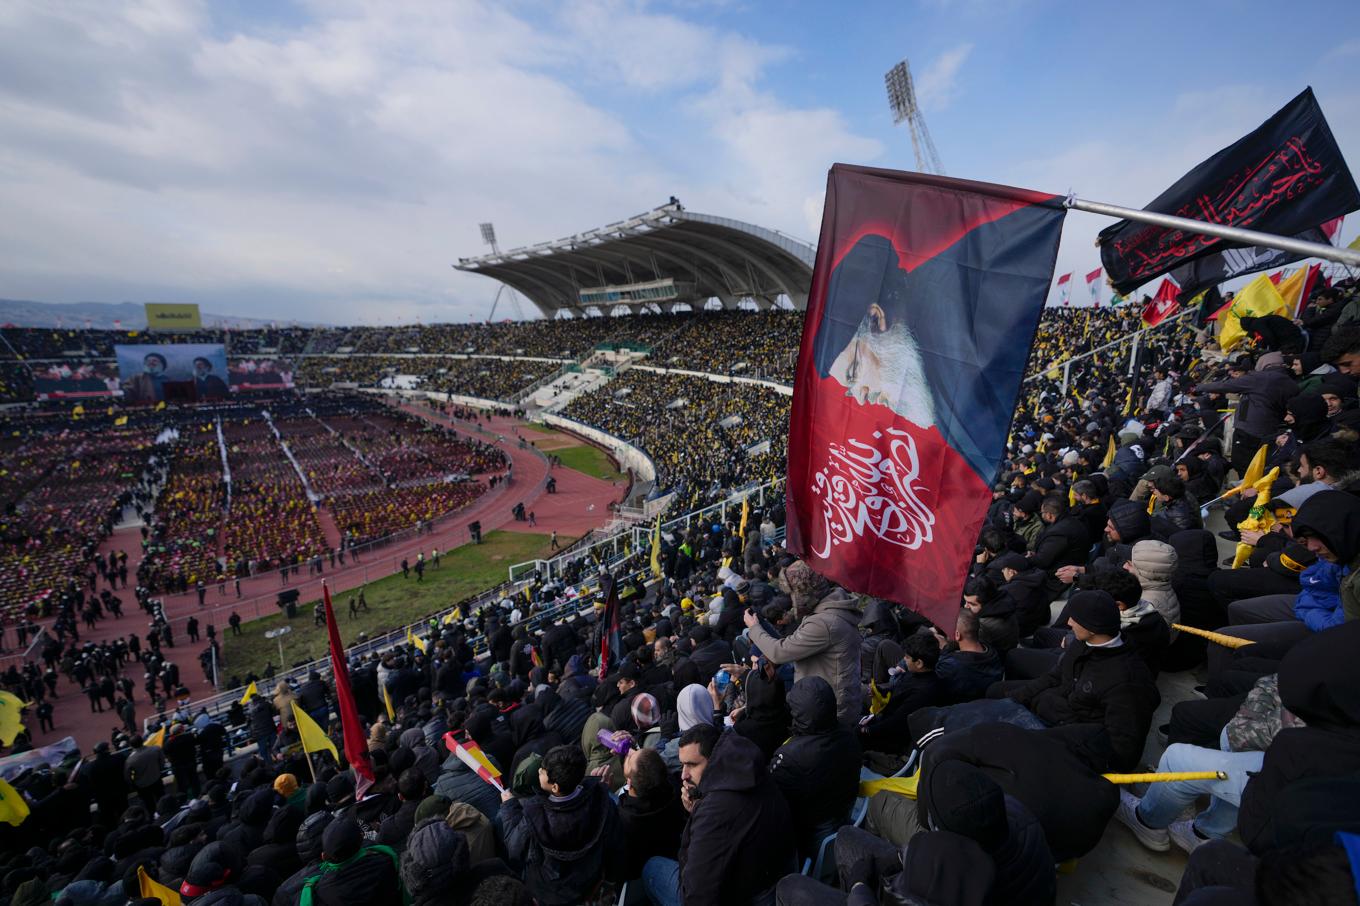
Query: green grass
(393,602)
(589,460)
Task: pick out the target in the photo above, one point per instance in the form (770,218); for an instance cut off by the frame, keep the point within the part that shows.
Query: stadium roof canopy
(664,257)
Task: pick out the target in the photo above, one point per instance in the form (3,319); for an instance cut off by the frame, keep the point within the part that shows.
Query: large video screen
(75,380)
(172,372)
(260,374)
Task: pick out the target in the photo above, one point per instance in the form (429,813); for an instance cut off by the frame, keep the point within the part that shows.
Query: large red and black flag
(1285,177)
(611,632)
(925,298)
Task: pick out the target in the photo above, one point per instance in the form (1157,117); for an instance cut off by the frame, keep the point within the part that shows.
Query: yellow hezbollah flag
(1109,454)
(745,514)
(13,808)
(251,691)
(157,738)
(11,717)
(160,405)
(161,316)
(1255,469)
(656,547)
(120,421)
(314,739)
(1259,518)
(1257,299)
(154,890)
(387,700)
(903,786)
(415,640)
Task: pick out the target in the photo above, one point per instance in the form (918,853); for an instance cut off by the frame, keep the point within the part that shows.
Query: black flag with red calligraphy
(1286,177)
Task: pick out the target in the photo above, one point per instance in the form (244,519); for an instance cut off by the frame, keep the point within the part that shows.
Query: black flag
(1286,177)
(1220,267)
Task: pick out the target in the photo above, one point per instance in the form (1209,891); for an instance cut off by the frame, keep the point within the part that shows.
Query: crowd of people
(700,735)
(705,438)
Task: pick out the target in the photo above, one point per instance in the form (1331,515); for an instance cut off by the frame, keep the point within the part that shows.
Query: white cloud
(937,84)
(333,170)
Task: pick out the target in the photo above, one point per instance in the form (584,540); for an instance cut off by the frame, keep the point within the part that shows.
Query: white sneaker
(1182,833)
(1157,840)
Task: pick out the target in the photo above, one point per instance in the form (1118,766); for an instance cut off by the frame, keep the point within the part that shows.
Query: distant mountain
(102,315)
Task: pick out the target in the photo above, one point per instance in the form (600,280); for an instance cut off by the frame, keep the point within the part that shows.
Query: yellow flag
(154,890)
(1257,299)
(250,691)
(11,717)
(903,786)
(13,808)
(160,405)
(314,739)
(415,640)
(1109,454)
(745,514)
(387,700)
(1255,469)
(656,547)
(120,421)
(1291,289)
(157,738)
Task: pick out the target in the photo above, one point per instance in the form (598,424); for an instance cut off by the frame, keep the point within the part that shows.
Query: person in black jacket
(350,873)
(966,668)
(1063,543)
(314,698)
(651,817)
(1098,680)
(916,686)
(996,612)
(1026,585)
(739,840)
(412,788)
(818,769)
(567,838)
(1320,685)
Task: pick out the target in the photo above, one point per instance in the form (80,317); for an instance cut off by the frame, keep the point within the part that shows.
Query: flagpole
(1232,234)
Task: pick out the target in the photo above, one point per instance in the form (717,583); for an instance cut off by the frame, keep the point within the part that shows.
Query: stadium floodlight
(902,100)
(489,236)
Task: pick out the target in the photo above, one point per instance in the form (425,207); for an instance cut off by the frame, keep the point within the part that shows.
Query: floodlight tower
(902,100)
(489,237)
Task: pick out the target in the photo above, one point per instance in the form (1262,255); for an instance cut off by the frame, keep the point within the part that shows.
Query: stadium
(736,569)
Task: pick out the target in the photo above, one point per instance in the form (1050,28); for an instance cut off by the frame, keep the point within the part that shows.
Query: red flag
(356,741)
(1276,277)
(1093,286)
(1163,305)
(1093,276)
(1309,282)
(924,303)
(611,637)
(1065,289)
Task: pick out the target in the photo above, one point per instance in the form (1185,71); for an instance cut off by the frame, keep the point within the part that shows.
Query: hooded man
(817,770)
(826,642)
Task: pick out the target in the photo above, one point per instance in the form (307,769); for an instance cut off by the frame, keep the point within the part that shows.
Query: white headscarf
(694,706)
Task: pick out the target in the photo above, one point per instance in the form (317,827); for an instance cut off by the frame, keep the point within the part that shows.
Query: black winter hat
(216,865)
(1095,611)
(340,790)
(963,800)
(341,839)
(1291,561)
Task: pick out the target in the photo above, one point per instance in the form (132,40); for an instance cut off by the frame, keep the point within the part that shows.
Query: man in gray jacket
(826,642)
(1262,396)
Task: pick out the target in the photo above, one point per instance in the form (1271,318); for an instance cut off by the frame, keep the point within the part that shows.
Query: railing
(1134,338)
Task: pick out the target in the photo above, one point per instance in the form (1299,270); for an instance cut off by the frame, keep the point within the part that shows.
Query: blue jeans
(1164,802)
(661,880)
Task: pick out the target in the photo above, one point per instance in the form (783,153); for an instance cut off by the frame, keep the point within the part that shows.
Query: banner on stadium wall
(160,316)
(925,298)
(75,380)
(1284,178)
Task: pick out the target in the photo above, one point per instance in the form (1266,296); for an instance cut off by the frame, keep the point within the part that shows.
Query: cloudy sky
(327,161)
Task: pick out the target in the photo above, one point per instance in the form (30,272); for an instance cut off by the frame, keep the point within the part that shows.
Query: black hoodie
(565,845)
(818,769)
(739,840)
(1318,683)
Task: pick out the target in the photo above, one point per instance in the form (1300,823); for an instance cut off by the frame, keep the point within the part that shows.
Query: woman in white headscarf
(693,706)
